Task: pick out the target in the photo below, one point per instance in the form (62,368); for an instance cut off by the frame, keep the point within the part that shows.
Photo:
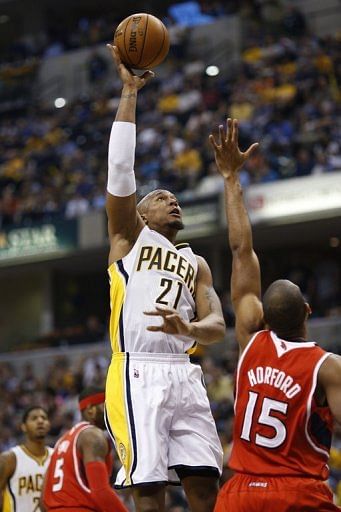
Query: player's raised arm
(245,279)
(124,222)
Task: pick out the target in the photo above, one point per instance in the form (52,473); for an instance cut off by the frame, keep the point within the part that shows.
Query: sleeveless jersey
(278,428)
(65,482)
(154,272)
(22,493)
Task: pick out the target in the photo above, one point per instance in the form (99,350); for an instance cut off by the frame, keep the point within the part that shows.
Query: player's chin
(40,435)
(177,224)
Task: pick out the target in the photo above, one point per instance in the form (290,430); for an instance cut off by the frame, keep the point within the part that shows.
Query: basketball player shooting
(287,388)
(162,303)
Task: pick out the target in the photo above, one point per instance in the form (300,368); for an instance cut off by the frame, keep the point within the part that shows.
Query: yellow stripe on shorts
(117,405)
(7,503)
(117,297)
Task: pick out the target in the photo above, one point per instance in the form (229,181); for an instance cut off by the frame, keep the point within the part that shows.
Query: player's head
(35,423)
(285,310)
(160,209)
(91,404)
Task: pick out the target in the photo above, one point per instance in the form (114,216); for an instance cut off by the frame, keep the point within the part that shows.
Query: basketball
(142,40)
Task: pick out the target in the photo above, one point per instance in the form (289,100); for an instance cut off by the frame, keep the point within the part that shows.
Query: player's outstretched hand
(228,157)
(172,321)
(126,75)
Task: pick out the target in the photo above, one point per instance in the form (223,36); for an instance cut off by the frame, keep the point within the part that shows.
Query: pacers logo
(123,452)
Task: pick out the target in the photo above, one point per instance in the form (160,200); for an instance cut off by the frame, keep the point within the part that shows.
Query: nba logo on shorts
(123,452)
(136,373)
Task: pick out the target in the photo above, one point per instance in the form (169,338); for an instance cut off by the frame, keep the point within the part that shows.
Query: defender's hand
(127,76)
(228,157)
(172,322)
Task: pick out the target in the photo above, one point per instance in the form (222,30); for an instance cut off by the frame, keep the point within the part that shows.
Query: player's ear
(144,218)
(308,309)
(23,428)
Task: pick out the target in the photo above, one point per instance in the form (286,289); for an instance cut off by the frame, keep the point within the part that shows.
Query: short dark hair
(27,411)
(284,308)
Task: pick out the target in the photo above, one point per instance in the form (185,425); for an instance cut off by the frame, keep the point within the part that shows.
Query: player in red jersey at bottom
(77,479)
(288,390)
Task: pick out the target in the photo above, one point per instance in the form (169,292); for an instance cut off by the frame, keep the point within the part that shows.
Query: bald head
(285,309)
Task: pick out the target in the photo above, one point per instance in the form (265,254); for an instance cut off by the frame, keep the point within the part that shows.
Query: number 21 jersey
(154,273)
(279,429)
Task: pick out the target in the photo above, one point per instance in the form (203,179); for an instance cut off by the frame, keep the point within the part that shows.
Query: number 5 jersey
(66,485)
(279,428)
(154,273)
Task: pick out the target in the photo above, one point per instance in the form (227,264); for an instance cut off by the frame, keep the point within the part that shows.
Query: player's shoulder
(91,432)
(330,369)
(202,263)
(8,462)
(14,452)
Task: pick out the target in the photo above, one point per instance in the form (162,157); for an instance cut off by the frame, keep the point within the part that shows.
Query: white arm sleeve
(121,156)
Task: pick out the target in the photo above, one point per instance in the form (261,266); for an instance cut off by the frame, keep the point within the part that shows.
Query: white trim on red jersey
(313,388)
(75,459)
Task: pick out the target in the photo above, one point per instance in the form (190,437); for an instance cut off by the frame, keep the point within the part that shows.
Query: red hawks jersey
(65,481)
(279,429)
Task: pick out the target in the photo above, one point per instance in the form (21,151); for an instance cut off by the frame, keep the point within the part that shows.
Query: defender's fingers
(221,134)
(213,141)
(229,129)
(235,131)
(251,149)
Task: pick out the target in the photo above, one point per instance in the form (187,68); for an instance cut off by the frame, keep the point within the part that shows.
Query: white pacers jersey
(22,493)
(155,272)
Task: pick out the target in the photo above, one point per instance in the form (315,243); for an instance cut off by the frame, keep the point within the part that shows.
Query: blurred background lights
(212,70)
(60,102)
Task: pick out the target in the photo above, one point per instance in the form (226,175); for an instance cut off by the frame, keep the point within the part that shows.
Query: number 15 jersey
(154,273)
(279,429)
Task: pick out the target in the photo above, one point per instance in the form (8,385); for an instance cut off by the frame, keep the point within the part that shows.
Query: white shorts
(158,414)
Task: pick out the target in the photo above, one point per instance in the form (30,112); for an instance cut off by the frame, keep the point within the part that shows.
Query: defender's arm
(245,278)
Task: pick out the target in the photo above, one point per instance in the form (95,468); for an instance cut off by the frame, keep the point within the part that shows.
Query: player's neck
(169,233)
(37,448)
(297,335)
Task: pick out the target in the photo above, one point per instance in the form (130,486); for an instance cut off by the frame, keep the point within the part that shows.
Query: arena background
(275,65)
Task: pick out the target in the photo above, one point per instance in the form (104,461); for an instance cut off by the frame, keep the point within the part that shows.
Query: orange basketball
(142,40)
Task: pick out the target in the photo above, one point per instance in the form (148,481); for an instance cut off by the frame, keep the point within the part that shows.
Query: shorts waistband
(152,357)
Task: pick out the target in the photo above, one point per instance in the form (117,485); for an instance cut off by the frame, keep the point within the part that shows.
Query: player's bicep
(207,300)
(249,319)
(330,378)
(123,217)
(93,445)
(245,278)
(7,468)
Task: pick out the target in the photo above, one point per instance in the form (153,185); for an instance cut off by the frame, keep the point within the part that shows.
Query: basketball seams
(144,53)
(144,40)
(161,46)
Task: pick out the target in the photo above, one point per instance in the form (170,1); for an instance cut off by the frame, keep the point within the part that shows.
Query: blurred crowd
(56,388)
(60,35)
(284,93)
